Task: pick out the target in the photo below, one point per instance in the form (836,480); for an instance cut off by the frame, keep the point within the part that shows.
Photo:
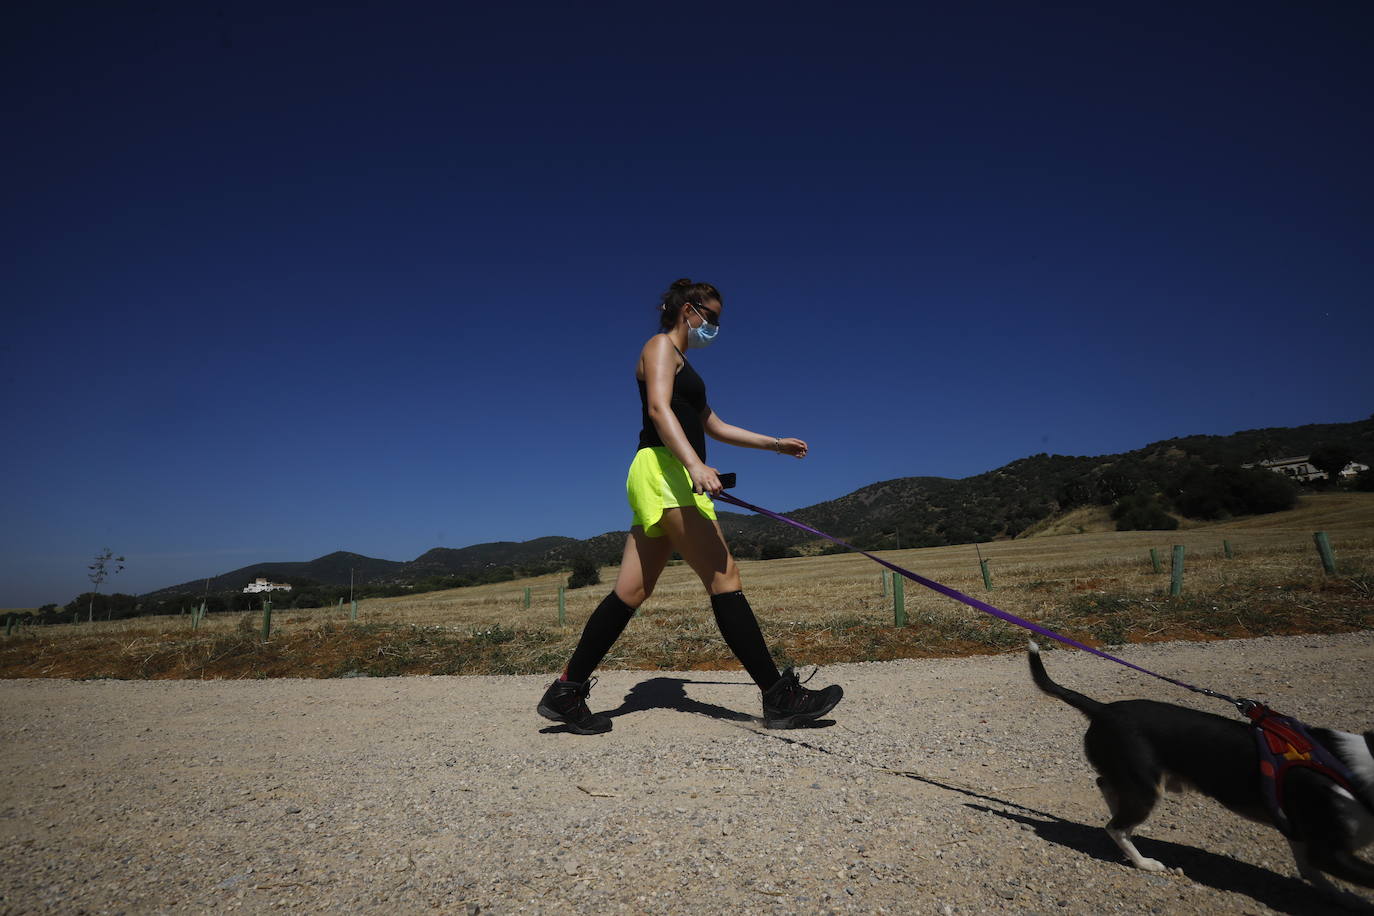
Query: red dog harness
(1284,743)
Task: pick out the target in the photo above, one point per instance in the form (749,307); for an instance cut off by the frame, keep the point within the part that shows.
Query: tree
(1331,458)
(1116,483)
(1213,493)
(1079,491)
(777,551)
(306,597)
(106,564)
(584,572)
(1142,512)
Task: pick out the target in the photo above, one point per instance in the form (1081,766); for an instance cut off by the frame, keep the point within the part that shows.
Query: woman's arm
(658,364)
(721,431)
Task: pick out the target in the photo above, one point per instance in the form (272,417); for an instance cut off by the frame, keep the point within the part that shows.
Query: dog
(1139,747)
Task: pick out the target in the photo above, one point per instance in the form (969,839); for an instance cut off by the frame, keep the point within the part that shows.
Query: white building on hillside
(262,585)
(1300,468)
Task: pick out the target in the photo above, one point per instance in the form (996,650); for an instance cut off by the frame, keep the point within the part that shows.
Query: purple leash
(977,605)
(1263,718)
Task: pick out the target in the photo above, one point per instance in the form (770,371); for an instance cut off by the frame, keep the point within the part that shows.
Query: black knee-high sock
(741,630)
(602,630)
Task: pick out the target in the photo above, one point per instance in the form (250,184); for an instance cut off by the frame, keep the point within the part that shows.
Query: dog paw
(1353,902)
(1343,898)
(1151,864)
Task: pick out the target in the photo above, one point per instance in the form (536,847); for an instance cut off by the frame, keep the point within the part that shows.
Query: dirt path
(944,786)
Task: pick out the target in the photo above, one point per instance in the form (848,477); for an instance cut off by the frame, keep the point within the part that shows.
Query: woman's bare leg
(786,703)
(640,567)
(702,545)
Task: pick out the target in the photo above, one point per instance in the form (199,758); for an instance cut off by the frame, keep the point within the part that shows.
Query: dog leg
(1123,840)
(1310,873)
(1125,818)
(1338,862)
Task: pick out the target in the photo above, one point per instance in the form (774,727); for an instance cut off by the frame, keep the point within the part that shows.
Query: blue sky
(373,277)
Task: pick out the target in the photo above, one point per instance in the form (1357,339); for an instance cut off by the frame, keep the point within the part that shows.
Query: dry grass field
(1097,586)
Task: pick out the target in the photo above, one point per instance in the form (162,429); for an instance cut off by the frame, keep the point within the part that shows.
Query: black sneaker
(788,704)
(566,702)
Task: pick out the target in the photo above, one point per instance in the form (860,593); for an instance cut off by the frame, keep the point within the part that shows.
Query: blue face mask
(702,336)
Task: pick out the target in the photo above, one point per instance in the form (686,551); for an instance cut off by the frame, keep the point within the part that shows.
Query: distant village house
(1301,469)
(262,585)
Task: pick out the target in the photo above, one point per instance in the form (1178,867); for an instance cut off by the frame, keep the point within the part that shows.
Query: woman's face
(697,315)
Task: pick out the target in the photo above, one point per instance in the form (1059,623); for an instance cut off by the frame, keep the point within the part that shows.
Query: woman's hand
(705,480)
(793,447)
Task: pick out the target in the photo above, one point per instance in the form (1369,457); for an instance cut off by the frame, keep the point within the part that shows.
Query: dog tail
(1086,705)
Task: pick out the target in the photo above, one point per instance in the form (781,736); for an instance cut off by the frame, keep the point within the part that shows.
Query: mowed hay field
(1097,586)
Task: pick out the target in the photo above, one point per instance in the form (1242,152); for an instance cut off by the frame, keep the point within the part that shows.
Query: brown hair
(683,292)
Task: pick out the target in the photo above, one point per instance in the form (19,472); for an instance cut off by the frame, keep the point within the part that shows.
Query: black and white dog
(1139,747)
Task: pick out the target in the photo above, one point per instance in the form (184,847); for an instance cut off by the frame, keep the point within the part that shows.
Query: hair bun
(681,284)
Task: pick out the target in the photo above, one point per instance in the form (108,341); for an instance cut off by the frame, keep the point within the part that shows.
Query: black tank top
(688,403)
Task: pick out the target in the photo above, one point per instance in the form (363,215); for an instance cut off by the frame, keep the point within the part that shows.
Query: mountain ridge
(919,511)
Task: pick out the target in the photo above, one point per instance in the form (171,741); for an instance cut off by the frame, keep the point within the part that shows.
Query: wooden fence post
(898,600)
(1176,579)
(1324,549)
(266,618)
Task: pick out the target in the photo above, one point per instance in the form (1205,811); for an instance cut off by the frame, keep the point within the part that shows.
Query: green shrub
(306,598)
(1142,512)
(1331,458)
(777,552)
(584,572)
(493,635)
(1212,493)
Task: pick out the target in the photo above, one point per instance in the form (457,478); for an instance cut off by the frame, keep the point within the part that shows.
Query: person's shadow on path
(671,693)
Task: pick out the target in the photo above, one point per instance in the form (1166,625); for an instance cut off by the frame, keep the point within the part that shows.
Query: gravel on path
(943,786)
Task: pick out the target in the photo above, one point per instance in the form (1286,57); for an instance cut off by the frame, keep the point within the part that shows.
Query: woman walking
(670,487)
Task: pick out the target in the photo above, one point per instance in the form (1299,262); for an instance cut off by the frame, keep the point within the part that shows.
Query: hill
(332,568)
(448,561)
(540,554)
(1024,497)
(1009,501)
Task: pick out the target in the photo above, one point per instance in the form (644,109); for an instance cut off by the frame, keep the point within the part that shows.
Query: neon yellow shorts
(658,481)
